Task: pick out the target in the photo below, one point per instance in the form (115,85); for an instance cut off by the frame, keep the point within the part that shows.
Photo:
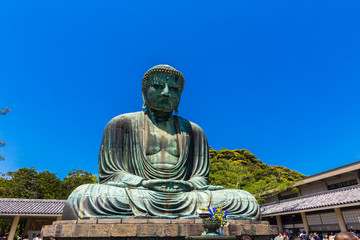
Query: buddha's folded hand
(167,185)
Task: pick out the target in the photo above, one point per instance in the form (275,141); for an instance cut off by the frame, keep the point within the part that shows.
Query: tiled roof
(31,206)
(334,197)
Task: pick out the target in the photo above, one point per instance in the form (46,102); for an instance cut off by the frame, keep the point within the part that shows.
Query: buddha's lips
(165,100)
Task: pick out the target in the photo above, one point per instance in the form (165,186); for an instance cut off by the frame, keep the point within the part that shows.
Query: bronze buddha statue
(153,163)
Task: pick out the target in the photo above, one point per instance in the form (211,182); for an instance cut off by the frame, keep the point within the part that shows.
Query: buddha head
(162,86)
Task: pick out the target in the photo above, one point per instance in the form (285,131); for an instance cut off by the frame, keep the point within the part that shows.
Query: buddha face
(163,92)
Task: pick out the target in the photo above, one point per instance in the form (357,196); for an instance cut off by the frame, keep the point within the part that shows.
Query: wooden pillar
(27,225)
(58,218)
(305,222)
(279,223)
(357,178)
(340,219)
(13,227)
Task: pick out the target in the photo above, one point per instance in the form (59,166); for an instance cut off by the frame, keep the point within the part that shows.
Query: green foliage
(3,112)
(240,169)
(5,225)
(76,178)
(47,185)
(28,183)
(23,184)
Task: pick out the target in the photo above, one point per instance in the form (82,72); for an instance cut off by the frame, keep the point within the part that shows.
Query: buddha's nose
(165,92)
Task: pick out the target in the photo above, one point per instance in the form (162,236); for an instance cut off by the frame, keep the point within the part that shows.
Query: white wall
(313,188)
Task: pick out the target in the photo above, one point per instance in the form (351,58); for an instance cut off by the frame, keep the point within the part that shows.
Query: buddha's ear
(176,108)
(144,107)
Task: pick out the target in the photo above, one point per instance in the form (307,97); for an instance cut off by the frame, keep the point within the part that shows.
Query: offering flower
(219,213)
(226,212)
(211,213)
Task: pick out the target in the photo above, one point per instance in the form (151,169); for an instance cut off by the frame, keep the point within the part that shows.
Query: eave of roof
(18,206)
(330,173)
(327,199)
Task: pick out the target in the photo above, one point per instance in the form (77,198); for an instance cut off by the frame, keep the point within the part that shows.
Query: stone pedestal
(146,229)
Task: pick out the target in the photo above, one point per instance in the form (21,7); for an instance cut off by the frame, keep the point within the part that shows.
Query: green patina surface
(155,164)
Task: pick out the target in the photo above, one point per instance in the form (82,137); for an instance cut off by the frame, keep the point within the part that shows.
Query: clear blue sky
(280,78)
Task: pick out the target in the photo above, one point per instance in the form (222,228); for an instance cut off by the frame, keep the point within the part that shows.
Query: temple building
(325,202)
(30,214)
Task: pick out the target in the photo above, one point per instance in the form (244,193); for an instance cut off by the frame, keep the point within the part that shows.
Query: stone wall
(151,229)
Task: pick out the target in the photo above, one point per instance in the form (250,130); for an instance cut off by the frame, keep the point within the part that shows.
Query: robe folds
(123,166)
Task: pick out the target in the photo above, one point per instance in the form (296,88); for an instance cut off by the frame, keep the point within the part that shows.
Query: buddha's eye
(175,89)
(157,86)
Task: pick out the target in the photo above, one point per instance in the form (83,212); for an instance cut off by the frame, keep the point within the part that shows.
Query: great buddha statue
(153,163)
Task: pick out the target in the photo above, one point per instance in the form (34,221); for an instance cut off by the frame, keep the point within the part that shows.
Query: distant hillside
(240,169)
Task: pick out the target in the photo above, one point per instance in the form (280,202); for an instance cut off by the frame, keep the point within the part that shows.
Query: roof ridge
(313,194)
(338,197)
(30,200)
(21,206)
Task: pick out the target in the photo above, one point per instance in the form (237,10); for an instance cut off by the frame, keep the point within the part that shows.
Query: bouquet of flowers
(219,213)
(214,220)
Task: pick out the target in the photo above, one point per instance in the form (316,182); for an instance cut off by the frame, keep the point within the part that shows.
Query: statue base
(155,228)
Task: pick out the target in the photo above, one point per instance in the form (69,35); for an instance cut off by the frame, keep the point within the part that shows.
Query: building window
(342,184)
(351,216)
(288,196)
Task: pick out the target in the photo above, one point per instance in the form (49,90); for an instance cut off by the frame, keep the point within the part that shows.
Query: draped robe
(123,166)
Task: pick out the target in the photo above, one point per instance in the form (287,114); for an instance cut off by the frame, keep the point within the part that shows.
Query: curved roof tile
(31,206)
(317,200)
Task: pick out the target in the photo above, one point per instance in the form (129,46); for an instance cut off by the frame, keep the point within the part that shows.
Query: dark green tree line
(31,184)
(28,183)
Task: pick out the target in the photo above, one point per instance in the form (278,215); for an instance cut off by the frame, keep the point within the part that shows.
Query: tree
(3,112)
(240,169)
(21,184)
(28,183)
(76,178)
(48,185)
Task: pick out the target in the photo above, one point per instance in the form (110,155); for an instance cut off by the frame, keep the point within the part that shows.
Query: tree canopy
(28,183)
(3,112)
(31,184)
(240,169)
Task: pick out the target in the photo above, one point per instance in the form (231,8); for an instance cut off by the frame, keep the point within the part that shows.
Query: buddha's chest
(162,147)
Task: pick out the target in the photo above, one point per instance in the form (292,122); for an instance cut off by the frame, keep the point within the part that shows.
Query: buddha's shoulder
(193,125)
(126,118)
